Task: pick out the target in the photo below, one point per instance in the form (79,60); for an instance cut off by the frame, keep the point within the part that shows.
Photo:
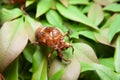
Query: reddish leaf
(96,14)
(31,25)
(13,40)
(64,2)
(103,2)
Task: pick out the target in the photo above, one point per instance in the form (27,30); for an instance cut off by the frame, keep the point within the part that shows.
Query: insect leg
(70,45)
(66,34)
(72,49)
(50,54)
(34,43)
(48,57)
(22,7)
(61,56)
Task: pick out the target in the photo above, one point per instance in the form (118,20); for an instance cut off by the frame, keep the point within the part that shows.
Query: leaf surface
(11,73)
(104,72)
(28,52)
(31,25)
(96,14)
(43,6)
(7,15)
(13,40)
(114,27)
(55,19)
(39,65)
(108,62)
(73,13)
(112,7)
(103,2)
(64,2)
(117,55)
(84,53)
(78,1)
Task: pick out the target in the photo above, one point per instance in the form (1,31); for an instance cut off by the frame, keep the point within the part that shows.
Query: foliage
(92,25)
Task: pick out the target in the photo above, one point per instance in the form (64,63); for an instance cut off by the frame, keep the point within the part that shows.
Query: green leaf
(7,15)
(115,0)
(29,2)
(75,35)
(102,36)
(76,27)
(72,71)
(57,75)
(73,13)
(108,62)
(25,68)
(39,65)
(88,34)
(112,7)
(86,8)
(37,58)
(11,73)
(56,72)
(96,14)
(43,6)
(55,19)
(104,72)
(13,40)
(65,72)
(28,52)
(78,1)
(45,23)
(41,73)
(84,53)
(117,55)
(31,25)
(109,21)
(114,27)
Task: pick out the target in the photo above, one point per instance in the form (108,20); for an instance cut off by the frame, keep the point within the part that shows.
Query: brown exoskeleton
(52,37)
(21,3)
